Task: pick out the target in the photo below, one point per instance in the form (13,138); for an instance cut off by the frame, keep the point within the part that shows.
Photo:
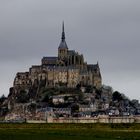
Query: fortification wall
(96,120)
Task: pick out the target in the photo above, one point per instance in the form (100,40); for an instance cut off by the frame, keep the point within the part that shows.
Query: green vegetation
(69,131)
(2,99)
(59,90)
(117,96)
(23,97)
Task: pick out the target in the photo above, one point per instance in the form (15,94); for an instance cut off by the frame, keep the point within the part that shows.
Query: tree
(89,89)
(32,107)
(2,99)
(45,98)
(117,96)
(22,97)
(98,93)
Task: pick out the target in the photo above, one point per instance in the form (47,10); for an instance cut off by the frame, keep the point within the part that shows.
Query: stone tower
(62,49)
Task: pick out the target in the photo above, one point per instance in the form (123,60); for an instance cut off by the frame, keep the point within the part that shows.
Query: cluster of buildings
(64,107)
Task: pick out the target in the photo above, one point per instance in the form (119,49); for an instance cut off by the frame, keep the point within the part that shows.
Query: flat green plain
(69,131)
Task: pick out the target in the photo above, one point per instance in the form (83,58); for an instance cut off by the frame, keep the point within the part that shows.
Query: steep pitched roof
(50,58)
(92,67)
(63,43)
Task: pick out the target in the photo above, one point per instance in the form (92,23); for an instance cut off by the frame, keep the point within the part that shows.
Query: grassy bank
(69,131)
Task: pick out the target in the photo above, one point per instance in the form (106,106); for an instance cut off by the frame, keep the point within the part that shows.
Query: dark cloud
(105,31)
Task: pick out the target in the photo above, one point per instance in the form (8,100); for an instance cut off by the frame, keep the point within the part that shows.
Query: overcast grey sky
(107,31)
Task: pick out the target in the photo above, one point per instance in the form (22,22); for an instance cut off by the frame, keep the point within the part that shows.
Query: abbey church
(67,69)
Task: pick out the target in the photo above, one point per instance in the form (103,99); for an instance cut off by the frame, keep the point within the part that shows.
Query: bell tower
(62,49)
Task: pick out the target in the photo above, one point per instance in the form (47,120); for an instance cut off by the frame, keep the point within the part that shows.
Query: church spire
(63,44)
(63,32)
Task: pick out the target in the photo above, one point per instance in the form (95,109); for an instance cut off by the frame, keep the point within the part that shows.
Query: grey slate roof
(71,52)
(92,67)
(50,58)
(63,45)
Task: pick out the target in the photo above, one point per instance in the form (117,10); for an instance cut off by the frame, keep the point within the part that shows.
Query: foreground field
(69,131)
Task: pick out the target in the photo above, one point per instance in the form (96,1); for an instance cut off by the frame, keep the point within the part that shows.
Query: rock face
(68,69)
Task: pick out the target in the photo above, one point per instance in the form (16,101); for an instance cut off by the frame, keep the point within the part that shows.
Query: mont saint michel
(69,69)
(66,89)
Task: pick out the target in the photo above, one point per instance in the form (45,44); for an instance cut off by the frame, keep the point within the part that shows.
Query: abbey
(67,69)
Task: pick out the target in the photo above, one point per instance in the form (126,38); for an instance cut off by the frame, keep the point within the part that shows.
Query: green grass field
(69,131)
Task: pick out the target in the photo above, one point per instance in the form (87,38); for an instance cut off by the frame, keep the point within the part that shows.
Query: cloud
(105,31)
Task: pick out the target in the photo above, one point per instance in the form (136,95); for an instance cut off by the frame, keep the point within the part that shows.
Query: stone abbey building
(67,69)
